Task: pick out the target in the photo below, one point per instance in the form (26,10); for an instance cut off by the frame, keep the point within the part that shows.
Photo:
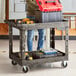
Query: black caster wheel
(25,69)
(14,63)
(64,64)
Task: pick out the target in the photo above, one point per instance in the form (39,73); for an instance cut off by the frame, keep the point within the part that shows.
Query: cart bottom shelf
(43,59)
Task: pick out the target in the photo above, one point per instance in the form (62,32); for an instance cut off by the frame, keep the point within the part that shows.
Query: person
(30,36)
(52,13)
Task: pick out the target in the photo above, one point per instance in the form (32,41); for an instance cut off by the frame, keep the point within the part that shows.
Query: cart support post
(66,41)
(22,43)
(10,40)
(52,38)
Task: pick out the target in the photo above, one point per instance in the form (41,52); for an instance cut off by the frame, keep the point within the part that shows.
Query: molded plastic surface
(49,5)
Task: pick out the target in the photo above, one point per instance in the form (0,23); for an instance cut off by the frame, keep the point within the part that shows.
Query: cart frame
(61,25)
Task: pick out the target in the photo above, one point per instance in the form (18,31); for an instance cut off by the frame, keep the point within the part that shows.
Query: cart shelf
(30,63)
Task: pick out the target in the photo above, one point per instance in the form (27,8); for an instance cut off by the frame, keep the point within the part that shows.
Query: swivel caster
(25,69)
(14,63)
(64,64)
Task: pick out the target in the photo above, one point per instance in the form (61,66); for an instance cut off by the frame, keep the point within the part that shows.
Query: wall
(2,11)
(17,9)
(69,5)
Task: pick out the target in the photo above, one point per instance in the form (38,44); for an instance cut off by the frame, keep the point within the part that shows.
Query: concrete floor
(49,69)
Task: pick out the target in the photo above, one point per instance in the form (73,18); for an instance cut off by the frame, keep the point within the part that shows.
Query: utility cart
(61,56)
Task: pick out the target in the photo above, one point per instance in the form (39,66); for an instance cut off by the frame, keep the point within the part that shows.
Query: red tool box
(49,5)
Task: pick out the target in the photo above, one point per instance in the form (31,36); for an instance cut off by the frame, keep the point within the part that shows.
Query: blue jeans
(30,35)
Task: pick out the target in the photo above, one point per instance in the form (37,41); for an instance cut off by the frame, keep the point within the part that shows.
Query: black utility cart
(62,56)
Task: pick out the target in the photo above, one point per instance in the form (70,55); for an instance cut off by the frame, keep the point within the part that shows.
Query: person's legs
(41,39)
(30,35)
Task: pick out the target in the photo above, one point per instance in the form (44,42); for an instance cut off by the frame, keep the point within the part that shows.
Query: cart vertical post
(22,44)
(52,38)
(10,40)
(66,41)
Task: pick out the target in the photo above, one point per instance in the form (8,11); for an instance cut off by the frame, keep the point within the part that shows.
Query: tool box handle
(50,1)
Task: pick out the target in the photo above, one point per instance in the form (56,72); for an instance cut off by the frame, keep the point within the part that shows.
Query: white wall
(2,11)
(69,5)
(17,9)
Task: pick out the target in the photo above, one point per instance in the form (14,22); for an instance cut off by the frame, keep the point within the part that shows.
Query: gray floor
(51,69)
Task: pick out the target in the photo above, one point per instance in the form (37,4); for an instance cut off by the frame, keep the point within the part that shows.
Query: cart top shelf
(61,25)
